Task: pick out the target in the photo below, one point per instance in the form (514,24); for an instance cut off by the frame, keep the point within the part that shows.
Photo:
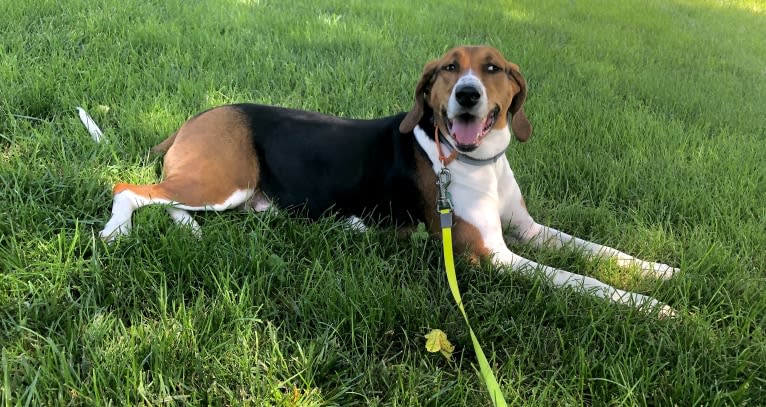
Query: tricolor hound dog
(251,157)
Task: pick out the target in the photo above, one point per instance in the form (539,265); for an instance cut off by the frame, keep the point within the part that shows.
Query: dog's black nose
(467,96)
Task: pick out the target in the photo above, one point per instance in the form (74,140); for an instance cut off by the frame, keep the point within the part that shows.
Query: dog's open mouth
(468,130)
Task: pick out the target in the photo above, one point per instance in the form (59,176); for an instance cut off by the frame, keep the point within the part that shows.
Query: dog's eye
(493,68)
(450,67)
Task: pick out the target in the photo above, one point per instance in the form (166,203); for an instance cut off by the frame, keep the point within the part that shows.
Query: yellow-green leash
(444,206)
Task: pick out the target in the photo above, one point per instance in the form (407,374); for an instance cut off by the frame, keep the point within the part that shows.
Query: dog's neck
(468,158)
(489,152)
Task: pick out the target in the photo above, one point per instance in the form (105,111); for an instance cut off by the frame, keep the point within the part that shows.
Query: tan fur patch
(465,236)
(210,158)
(155,191)
(428,193)
(468,240)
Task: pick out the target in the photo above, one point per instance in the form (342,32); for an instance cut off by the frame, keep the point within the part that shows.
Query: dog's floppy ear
(521,127)
(421,90)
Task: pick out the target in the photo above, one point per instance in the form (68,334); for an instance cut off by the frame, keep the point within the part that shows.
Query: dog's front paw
(644,303)
(655,307)
(658,270)
(666,311)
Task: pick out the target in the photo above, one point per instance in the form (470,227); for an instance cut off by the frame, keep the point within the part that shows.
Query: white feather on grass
(90,124)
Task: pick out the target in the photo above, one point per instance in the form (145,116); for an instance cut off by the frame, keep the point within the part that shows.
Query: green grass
(649,119)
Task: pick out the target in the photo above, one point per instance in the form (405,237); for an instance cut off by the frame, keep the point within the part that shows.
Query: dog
(468,104)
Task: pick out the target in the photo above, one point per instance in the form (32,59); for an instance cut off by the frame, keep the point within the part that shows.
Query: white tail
(90,124)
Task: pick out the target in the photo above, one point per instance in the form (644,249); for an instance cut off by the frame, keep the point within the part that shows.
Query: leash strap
(445,216)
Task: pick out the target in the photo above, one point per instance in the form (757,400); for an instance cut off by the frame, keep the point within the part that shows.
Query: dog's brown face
(470,91)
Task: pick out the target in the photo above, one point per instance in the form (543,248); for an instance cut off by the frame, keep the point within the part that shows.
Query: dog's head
(470,91)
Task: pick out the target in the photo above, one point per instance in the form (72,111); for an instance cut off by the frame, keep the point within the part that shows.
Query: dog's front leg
(540,235)
(502,256)
(561,278)
(483,235)
(523,228)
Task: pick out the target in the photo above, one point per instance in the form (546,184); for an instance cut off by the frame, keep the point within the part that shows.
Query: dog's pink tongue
(466,133)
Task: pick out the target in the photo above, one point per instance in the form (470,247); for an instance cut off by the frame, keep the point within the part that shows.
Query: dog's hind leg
(181,198)
(210,165)
(128,198)
(184,218)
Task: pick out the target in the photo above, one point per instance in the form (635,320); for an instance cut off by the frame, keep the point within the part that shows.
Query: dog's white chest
(471,184)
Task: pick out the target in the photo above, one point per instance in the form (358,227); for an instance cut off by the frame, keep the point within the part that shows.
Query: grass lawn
(649,137)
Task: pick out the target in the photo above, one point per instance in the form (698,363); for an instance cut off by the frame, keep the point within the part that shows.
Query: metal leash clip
(443,181)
